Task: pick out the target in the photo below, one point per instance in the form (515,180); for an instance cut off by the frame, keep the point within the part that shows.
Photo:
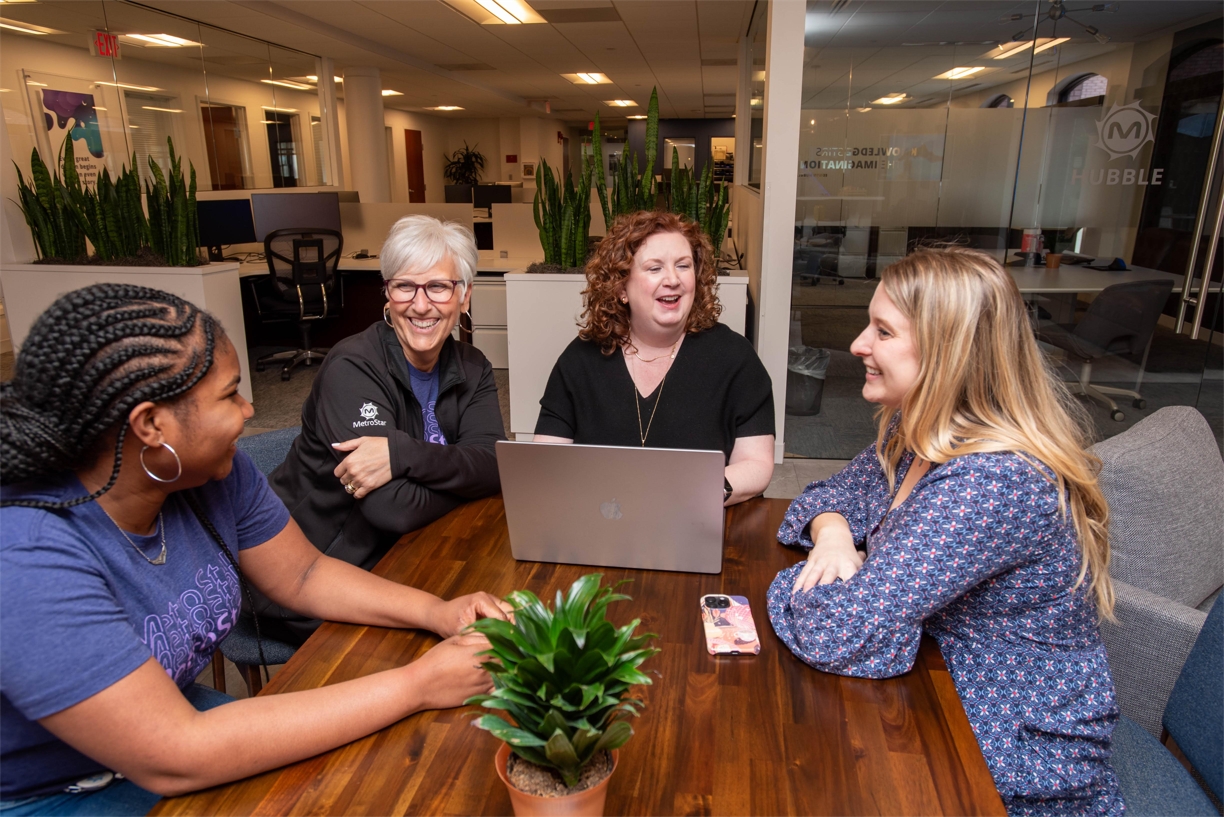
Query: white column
(329,118)
(367,138)
(743,111)
(779,180)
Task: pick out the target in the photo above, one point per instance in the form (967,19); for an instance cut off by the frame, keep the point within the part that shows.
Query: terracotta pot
(588,803)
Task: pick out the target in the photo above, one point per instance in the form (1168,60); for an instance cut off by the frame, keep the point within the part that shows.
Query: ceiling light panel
(445,108)
(389,92)
(163,110)
(960,73)
(288,83)
(891,99)
(496,12)
(588,78)
(1006,50)
(158,40)
(27,28)
(126,85)
(621,103)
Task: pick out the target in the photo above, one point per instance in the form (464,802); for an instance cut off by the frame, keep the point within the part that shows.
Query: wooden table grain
(730,735)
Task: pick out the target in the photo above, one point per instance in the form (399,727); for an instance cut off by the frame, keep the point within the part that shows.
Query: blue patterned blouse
(981,557)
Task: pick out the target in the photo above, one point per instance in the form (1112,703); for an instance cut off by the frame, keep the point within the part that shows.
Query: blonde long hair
(983,386)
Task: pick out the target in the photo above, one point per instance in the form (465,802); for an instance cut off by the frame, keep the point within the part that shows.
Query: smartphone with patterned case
(729,628)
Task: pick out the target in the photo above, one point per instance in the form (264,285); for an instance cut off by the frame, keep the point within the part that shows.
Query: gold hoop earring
(387,315)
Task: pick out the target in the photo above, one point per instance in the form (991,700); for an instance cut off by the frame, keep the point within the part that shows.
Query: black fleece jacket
(363,390)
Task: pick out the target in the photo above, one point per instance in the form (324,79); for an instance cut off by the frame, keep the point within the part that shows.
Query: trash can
(805,376)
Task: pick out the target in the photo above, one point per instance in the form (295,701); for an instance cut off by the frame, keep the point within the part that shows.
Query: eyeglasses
(439,292)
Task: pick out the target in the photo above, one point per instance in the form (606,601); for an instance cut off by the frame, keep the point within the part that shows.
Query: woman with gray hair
(401,420)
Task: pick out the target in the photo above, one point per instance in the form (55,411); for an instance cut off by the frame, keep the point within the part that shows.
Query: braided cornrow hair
(93,356)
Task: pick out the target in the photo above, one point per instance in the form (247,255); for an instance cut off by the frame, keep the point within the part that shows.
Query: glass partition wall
(122,79)
(1020,129)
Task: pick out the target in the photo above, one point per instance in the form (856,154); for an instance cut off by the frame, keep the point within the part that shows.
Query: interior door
(416,166)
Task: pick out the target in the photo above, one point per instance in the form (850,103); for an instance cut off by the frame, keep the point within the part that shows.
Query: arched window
(1207,59)
(999,101)
(1087,86)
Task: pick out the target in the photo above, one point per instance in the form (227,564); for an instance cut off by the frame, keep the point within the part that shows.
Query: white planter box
(30,288)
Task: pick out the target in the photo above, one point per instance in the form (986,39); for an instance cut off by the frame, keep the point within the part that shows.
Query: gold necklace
(671,354)
(638,405)
(161,557)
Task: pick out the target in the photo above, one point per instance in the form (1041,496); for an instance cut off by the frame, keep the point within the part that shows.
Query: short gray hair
(417,243)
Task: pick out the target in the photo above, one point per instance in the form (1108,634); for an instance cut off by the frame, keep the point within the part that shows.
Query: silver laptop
(646,508)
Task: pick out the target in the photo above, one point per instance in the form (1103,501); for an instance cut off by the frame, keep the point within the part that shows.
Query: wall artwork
(63,108)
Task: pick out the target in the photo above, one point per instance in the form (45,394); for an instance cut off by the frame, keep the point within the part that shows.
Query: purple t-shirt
(80,609)
(425,389)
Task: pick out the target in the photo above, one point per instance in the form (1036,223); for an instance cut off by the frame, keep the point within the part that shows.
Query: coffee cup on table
(1053,260)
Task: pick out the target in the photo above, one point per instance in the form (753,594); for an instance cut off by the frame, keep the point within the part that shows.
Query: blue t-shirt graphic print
(425,388)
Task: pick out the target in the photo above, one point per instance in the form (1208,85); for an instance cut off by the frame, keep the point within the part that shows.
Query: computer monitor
(222,222)
(283,211)
(486,195)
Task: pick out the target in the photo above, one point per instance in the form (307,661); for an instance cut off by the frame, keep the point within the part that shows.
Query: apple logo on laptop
(610,510)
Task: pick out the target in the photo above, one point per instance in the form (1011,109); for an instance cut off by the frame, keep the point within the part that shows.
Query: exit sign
(104,44)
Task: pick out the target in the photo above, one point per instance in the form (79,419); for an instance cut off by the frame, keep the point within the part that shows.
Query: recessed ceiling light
(163,110)
(389,92)
(445,108)
(637,116)
(288,83)
(960,73)
(159,40)
(621,103)
(891,99)
(126,85)
(27,28)
(1006,50)
(588,78)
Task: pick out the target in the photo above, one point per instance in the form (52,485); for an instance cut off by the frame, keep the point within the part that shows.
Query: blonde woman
(976,517)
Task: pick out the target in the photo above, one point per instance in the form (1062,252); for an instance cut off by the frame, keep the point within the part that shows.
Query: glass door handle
(1204,206)
(1208,264)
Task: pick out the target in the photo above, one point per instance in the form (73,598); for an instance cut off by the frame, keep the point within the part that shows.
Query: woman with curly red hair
(652,366)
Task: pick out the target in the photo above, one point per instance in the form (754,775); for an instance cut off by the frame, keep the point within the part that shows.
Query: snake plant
(46,201)
(701,199)
(563,215)
(564,676)
(631,190)
(173,224)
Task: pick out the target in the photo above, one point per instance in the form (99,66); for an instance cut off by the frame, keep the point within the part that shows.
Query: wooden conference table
(731,735)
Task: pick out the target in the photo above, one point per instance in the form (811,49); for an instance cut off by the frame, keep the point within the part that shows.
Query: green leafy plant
(631,190)
(701,199)
(47,203)
(564,676)
(174,229)
(464,166)
(563,215)
(114,219)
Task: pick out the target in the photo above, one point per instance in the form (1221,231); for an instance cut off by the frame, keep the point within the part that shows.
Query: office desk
(759,734)
(1073,279)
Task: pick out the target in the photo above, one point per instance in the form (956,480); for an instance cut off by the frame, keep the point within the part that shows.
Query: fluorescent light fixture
(1012,49)
(2,2)
(126,85)
(38,84)
(642,116)
(288,83)
(960,73)
(160,40)
(863,110)
(389,92)
(27,28)
(163,110)
(279,110)
(891,99)
(315,78)
(445,108)
(496,9)
(621,103)
(588,78)
(134,126)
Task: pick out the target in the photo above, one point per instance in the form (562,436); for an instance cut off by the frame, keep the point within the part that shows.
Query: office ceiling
(435,55)
(857,50)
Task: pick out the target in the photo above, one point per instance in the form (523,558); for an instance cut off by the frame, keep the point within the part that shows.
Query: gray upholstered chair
(1164,481)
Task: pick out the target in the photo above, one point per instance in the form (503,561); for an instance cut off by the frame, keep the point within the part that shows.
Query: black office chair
(303,264)
(1120,321)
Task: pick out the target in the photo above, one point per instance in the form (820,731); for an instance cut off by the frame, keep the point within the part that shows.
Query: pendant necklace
(637,405)
(161,524)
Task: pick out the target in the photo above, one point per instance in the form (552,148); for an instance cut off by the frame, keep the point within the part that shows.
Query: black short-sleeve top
(715,392)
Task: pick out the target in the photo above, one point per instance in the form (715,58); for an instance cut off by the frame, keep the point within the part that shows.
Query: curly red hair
(605,320)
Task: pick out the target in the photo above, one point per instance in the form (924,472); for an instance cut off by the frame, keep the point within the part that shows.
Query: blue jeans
(122,797)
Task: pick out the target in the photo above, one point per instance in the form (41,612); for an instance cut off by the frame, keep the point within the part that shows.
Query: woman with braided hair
(130,529)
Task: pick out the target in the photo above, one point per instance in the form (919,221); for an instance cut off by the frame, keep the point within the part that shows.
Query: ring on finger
(351,487)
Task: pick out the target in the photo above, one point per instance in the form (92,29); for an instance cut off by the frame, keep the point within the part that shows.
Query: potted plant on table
(564,676)
(462,169)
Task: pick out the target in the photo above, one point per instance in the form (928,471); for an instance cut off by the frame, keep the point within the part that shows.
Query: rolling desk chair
(1120,321)
(302,288)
